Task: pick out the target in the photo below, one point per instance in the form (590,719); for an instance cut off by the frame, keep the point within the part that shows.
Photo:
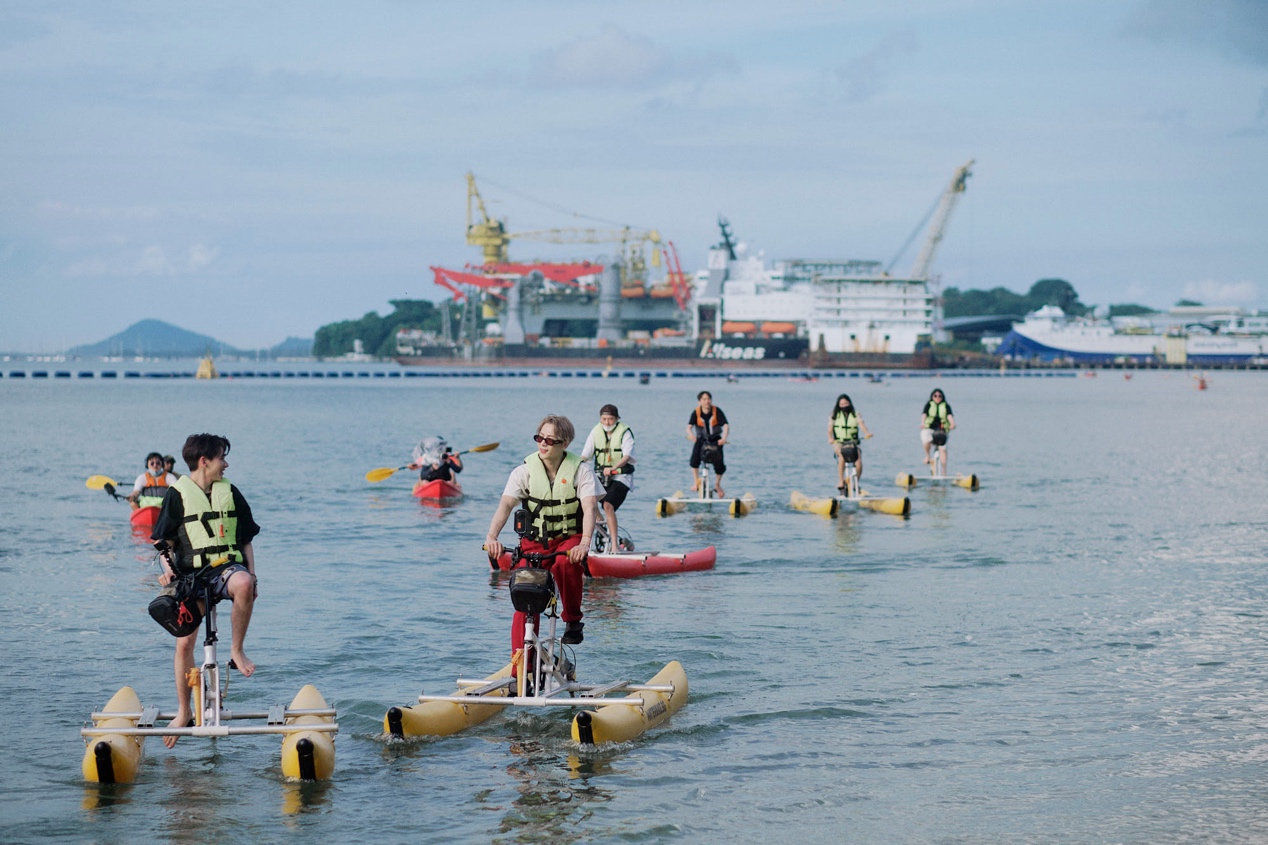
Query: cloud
(151,261)
(1211,292)
(1235,27)
(614,58)
(864,76)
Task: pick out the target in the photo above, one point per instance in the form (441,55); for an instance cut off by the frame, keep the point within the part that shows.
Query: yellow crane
(493,239)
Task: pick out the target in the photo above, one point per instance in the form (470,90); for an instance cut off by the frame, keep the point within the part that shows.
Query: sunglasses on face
(549,441)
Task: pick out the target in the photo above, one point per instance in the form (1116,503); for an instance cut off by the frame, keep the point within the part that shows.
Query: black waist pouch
(531,590)
(176,608)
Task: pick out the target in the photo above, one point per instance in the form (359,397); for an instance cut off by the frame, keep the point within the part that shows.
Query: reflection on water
(552,803)
(299,798)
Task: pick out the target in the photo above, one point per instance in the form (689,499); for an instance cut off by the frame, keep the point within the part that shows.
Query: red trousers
(568,578)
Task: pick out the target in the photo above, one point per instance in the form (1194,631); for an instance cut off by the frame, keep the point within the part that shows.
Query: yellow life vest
(153,492)
(209,531)
(936,418)
(845,427)
(554,510)
(609,454)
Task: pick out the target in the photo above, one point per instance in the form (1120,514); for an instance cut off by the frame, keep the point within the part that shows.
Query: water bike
(140,517)
(938,469)
(704,498)
(116,737)
(850,497)
(438,490)
(543,674)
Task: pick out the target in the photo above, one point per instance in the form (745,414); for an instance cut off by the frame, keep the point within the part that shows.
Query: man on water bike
(935,422)
(208,527)
(559,491)
(611,444)
(707,429)
(151,486)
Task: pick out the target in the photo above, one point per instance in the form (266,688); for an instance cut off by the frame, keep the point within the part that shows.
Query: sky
(252,171)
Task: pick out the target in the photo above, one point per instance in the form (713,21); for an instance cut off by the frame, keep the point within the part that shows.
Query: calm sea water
(1074,653)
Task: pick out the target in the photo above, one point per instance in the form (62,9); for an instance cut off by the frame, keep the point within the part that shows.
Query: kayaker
(707,427)
(150,486)
(435,460)
(169,464)
(209,528)
(611,445)
(936,416)
(559,491)
(843,430)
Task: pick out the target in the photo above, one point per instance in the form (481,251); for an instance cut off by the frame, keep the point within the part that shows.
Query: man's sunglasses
(549,441)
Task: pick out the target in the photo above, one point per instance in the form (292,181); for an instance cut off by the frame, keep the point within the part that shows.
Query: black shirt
(172,515)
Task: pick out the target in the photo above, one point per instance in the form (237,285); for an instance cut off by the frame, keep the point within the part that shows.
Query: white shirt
(627,449)
(586,482)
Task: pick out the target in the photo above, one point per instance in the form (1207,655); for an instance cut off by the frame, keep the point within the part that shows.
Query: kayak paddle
(384,473)
(99,482)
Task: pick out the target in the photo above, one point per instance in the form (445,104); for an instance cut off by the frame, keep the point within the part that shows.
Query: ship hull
(740,351)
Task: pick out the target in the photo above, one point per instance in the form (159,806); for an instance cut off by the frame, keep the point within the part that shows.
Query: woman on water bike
(843,434)
(935,422)
(558,491)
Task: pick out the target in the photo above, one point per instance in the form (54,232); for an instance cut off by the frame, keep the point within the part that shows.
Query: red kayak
(634,564)
(144,517)
(438,489)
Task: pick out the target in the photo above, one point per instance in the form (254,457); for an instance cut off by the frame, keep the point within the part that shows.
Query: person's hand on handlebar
(578,553)
(494,548)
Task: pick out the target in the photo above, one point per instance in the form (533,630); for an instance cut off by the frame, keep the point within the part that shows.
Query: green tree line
(377,334)
(1001,301)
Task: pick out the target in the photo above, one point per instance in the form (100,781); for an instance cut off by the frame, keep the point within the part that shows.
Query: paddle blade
(487,447)
(379,474)
(99,482)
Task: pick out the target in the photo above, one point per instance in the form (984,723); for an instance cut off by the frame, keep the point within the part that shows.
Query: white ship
(1184,335)
(842,307)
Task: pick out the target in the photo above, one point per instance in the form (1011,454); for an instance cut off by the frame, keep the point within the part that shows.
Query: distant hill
(293,347)
(157,339)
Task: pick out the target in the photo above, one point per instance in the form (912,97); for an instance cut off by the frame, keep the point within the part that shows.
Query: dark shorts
(615,495)
(219,579)
(719,464)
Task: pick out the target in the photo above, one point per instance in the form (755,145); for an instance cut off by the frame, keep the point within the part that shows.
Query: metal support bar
(149,715)
(211,730)
(224,714)
(277,715)
(530,701)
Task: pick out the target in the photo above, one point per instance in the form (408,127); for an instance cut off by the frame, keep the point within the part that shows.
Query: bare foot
(695,485)
(718,490)
(182,720)
(926,459)
(242,664)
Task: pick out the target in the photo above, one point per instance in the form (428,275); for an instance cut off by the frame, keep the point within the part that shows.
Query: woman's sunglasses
(549,441)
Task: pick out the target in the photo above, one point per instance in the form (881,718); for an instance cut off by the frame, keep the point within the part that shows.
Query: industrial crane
(491,236)
(940,215)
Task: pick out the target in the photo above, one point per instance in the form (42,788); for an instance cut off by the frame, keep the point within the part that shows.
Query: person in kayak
(435,460)
(843,430)
(559,491)
(707,427)
(936,417)
(611,445)
(169,464)
(151,486)
(208,528)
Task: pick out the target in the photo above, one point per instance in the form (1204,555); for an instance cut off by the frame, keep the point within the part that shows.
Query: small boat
(114,758)
(144,517)
(680,502)
(832,505)
(439,489)
(635,564)
(968,482)
(643,706)
(308,755)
